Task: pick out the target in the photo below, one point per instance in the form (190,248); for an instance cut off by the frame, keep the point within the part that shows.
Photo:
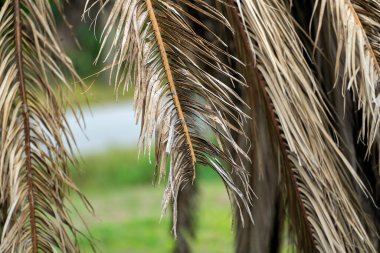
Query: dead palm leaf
(316,174)
(34,133)
(295,122)
(184,106)
(264,234)
(356,27)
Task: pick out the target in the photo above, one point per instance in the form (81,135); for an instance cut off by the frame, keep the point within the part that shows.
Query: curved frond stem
(284,154)
(25,113)
(169,76)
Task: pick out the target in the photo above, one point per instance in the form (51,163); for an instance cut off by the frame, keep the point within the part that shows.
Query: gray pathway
(107,127)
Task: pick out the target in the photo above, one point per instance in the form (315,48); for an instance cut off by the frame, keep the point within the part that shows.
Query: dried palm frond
(189,111)
(355,24)
(264,234)
(319,180)
(351,118)
(34,133)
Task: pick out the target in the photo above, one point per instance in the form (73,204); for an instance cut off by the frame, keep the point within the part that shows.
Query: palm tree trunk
(185,226)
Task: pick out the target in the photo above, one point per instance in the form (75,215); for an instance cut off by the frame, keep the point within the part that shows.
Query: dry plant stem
(25,111)
(268,103)
(169,76)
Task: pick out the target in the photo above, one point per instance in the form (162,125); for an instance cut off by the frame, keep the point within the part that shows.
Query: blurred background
(115,178)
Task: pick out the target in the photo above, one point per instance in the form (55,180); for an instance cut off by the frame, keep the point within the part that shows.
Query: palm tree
(312,71)
(280,98)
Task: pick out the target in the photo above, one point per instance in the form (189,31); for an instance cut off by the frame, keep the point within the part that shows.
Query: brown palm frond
(355,24)
(316,174)
(264,234)
(345,102)
(184,106)
(34,133)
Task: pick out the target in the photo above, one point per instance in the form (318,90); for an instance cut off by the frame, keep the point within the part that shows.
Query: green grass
(121,168)
(113,170)
(128,207)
